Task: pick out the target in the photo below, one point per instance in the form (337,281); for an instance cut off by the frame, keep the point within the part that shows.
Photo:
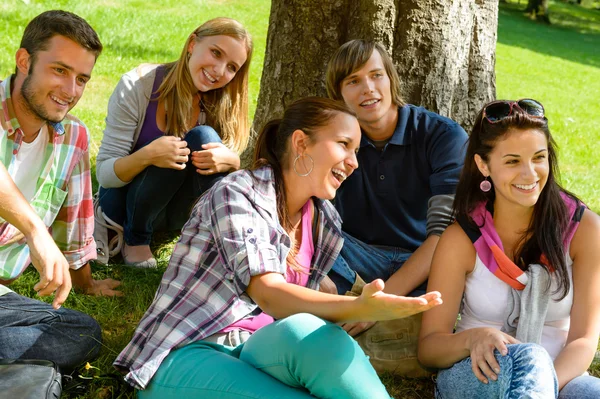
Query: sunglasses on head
(495,111)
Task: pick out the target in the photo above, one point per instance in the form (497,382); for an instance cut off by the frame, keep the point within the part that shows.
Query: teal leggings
(299,357)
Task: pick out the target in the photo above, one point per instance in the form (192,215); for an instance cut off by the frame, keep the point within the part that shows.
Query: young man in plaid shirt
(44,151)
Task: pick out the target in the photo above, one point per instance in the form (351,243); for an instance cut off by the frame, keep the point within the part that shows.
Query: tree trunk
(444,51)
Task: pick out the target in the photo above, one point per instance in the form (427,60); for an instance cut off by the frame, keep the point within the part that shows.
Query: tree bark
(444,51)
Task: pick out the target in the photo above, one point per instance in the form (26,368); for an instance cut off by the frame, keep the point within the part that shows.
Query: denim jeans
(527,371)
(370,262)
(298,357)
(582,387)
(159,199)
(31,329)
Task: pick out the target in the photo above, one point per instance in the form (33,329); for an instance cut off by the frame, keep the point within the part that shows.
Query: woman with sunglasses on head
(256,247)
(171,131)
(521,265)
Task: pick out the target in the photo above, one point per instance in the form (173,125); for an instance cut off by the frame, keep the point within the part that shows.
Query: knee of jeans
(533,355)
(89,328)
(528,350)
(95,336)
(200,135)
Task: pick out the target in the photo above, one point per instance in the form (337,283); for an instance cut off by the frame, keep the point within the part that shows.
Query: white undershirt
(28,164)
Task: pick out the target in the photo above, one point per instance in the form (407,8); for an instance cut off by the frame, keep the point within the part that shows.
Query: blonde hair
(226,107)
(352,56)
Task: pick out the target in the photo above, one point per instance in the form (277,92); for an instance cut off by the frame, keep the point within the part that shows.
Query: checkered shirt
(233,233)
(63,198)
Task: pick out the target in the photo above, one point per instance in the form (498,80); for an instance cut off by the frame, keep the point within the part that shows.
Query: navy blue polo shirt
(384,202)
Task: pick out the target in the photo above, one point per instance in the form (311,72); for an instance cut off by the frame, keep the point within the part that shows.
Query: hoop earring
(485,185)
(189,55)
(312,165)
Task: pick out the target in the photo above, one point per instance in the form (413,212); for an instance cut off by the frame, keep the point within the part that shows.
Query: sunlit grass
(557,64)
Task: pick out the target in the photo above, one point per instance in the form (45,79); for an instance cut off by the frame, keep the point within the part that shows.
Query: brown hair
(550,218)
(226,107)
(48,24)
(352,56)
(273,145)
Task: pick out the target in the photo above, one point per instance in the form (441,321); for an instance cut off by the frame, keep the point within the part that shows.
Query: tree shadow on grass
(574,34)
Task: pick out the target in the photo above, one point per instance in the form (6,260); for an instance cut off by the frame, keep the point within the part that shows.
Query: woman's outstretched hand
(377,305)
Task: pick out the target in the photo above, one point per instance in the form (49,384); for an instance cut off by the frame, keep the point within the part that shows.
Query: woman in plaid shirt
(254,251)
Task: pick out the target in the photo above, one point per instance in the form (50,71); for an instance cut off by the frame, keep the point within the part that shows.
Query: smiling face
(214,61)
(55,79)
(518,167)
(333,150)
(367,92)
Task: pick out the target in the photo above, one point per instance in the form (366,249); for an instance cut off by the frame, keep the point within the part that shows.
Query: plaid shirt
(63,198)
(233,233)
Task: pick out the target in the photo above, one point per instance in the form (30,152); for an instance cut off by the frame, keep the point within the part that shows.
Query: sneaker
(106,248)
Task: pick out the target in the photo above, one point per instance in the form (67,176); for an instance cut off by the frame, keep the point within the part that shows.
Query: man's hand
(84,283)
(51,265)
(215,158)
(353,329)
(328,286)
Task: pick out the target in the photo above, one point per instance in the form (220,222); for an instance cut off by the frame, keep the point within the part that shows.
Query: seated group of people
(270,281)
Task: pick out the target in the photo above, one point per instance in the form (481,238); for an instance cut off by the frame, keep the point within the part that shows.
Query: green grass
(558,65)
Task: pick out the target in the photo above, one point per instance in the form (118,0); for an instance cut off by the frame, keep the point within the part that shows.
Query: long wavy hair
(226,107)
(550,219)
(273,146)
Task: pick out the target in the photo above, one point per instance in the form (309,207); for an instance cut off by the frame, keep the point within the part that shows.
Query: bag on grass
(29,379)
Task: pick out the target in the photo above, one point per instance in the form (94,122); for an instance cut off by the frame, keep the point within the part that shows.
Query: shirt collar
(8,110)
(399,137)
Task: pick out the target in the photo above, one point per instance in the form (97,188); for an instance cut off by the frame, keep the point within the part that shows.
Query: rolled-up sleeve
(248,237)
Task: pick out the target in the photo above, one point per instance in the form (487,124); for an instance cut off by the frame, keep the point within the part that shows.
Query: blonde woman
(172,130)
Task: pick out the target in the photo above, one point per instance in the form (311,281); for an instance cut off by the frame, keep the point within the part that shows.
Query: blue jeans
(527,371)
(299,357)
(370,262)
(31,329)
(582,387)
(159,199)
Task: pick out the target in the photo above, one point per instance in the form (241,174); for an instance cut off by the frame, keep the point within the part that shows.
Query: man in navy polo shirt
(398,202)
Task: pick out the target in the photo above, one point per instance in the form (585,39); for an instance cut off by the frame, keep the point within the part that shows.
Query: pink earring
(485,185)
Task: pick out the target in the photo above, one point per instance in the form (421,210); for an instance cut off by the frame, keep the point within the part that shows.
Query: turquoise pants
(299,357)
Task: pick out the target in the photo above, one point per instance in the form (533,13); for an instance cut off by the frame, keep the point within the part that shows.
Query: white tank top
(484,305)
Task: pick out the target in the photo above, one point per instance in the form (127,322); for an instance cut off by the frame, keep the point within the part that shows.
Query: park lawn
(558,65)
